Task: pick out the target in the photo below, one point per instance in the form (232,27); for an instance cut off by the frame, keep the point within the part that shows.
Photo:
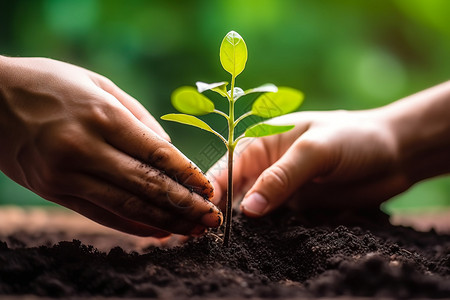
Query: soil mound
(279,256)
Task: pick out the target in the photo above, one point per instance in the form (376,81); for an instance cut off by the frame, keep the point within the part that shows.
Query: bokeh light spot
(380,75)
(71,17)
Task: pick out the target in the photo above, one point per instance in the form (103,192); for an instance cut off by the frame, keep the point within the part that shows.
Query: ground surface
(281,256)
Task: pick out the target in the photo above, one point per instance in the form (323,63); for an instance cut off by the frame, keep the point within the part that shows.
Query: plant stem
(221,113)
(230,147)
(229,209)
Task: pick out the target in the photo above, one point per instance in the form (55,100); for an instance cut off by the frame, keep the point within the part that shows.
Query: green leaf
(233,53)
(188,120)
(218,87)
(263,129)
(265,88)
(188,100)
(193,121)
(271,105)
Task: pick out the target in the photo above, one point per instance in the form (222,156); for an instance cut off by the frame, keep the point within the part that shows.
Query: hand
(331,160)
(74,138)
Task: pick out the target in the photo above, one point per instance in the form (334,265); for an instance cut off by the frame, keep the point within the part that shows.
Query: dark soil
(279,256)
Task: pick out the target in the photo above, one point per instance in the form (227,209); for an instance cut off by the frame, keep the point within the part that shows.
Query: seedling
(272,103)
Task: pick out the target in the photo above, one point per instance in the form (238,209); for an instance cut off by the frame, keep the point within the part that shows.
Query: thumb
(303,161)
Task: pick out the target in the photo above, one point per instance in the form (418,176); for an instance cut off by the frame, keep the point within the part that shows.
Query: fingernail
(213,219)
(254,203)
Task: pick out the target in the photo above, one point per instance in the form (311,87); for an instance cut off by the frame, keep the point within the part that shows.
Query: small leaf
(193,121)
(188,120)
(188,100)
(271,105)
(238,93)
(218,87)
(233,53)
(263,129)
(265,88)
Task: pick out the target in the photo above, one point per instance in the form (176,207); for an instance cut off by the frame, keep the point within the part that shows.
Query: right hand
(74,138)
(330,160)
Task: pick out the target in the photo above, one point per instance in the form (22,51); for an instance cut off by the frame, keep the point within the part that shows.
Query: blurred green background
(346,54)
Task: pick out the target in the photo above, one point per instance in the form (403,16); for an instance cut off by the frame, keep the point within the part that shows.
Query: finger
(300,164)
(253,156)
(127,206)
(134,106)
(125,133)
(108,219)
(153,186)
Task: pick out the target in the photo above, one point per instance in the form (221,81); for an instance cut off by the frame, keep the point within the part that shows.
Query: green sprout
(272,103)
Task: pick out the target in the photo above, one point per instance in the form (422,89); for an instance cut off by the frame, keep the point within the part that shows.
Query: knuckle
(130,207)
(181,202)
(152,185)
(313,146)
(278,176)
(100,113)
(105,80)
(161,156)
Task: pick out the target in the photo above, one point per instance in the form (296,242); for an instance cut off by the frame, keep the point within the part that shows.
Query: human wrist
(420,125)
